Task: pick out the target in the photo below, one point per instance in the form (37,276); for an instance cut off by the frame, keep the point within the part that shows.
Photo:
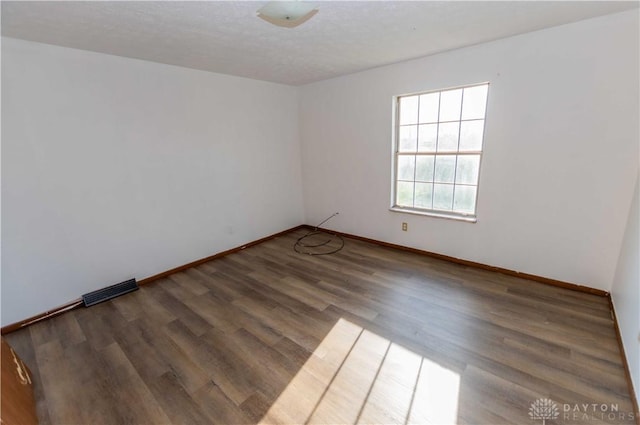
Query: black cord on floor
(307,245)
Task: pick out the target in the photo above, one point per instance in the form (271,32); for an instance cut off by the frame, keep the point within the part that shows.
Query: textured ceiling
(227,37)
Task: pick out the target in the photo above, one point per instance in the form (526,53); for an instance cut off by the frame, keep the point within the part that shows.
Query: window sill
(456,217)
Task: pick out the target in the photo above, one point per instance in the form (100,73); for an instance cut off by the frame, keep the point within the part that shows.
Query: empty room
(329,212)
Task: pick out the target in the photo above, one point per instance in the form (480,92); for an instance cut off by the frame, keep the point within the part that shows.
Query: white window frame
(451,214)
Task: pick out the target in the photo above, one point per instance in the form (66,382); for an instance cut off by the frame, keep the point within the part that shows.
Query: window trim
(435,213)
(447,214)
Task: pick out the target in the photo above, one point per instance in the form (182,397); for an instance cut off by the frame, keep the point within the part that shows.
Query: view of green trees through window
(438,148)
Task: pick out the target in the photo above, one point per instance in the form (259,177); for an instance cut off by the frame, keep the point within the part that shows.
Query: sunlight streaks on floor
(356,376)
(390,397)
(436,395)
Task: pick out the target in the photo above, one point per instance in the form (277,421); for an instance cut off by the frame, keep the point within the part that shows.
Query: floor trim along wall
(468,263)
(214,256)
(78,302)
(625,363)
(42,316)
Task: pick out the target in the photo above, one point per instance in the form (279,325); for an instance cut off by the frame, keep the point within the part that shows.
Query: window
(438,148)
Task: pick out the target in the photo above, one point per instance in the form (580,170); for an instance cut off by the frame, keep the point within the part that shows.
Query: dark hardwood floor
(367,335)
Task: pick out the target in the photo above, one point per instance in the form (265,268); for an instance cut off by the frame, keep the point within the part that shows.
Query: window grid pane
(439,148)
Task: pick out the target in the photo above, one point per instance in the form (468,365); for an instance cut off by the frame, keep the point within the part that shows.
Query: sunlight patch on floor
(356,376)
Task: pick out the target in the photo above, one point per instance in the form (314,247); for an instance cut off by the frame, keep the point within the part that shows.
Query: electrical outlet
(404,227)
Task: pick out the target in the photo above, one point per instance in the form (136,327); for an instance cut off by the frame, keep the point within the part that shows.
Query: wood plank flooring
(367,335)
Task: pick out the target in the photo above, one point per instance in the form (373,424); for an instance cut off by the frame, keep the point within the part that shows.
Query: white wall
(561,149)
(625,292)
(114,168)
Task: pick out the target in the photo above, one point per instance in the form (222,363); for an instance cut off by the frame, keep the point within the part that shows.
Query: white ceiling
(227,37)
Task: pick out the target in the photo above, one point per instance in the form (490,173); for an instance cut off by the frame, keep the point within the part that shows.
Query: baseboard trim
(196,263)
(468,263)
(540,279)
(625,363)
(42,316)
(78,302)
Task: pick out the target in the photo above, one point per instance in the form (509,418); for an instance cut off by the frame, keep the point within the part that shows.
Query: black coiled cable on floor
(319,242)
